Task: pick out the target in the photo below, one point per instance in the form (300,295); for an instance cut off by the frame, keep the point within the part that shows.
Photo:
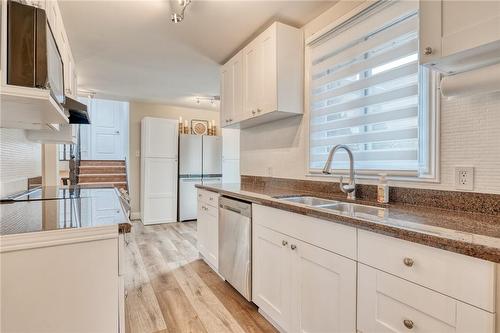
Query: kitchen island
(62,262)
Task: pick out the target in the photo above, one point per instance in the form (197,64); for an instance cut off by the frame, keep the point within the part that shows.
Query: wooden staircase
(103,172)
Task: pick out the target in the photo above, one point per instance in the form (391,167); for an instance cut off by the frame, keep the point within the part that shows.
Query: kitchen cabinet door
(226,94)
(208,232)
(324,290)
(271,287)
(267,98)
(252,78)
(212,238)
(457,36)
(202,229)
(387,303)
(232,91)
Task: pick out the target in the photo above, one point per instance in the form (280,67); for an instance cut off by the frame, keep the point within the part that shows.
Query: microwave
(33,58)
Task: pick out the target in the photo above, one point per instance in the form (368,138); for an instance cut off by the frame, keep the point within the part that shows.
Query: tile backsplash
(20,159)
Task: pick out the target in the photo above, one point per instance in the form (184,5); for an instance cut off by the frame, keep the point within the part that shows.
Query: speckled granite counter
(472,234)
(89,209)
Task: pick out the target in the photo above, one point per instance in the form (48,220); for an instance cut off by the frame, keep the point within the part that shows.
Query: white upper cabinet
(270,86)
(456,36)
(35,108)
(232,90)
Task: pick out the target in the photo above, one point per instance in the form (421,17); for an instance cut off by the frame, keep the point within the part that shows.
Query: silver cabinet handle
(428,50)
(408,262)
(408,324)
(293,247)
(285,243)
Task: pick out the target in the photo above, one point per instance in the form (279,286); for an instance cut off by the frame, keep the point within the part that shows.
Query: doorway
(106,138)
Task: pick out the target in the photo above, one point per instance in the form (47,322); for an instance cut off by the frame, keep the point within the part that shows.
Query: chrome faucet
(349,188)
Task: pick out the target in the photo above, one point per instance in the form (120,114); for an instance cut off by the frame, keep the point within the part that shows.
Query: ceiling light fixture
(179,16)
(209,99)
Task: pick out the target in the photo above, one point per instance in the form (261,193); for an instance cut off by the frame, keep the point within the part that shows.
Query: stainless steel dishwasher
(235,244)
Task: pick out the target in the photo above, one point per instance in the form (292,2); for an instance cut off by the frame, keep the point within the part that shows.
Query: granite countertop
(91,208)
(472,234)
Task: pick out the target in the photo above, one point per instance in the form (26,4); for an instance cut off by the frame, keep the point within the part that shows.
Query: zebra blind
(364,90)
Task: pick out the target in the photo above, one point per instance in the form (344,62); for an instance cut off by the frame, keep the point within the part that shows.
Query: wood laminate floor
(170,289)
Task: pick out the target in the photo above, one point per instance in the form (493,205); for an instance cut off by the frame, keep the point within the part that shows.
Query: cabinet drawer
(468,279)
(328,235)
(389,304)
(207,210)
(209,198)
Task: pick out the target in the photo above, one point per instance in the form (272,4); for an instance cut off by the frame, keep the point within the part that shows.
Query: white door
(324,290)
(388,304)
(211,221)
(227,94)
(202,229)
(252,79)
(159,137)
(267,67)
(106,207)
(160,191)
(271,287)
(106,134)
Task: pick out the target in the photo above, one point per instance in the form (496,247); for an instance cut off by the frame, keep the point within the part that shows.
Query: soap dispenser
(383,189)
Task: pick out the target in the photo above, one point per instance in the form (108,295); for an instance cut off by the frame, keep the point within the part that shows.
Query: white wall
(20,159)
(137,112)
(470,129)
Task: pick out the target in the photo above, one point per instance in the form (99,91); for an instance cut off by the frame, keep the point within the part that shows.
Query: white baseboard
(135,216)
(272,322)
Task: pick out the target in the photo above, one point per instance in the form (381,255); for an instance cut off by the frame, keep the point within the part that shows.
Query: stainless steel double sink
(337,206)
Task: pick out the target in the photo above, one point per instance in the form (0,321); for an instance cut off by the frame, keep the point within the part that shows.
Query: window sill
(398,176)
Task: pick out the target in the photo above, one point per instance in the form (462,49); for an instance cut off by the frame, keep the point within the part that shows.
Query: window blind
(364,90)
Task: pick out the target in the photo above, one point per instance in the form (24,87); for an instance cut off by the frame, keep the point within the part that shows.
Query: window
(368,91)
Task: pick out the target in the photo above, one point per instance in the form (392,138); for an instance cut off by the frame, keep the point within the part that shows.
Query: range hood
(77,111)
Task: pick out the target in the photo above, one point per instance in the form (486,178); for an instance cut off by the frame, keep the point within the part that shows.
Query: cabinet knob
(259,110)
(253,112)
(408,262)
(117,211)
(428,50)
(408,324)
(285,243)
(293,247)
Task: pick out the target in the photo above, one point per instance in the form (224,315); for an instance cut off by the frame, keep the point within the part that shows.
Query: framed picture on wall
(199,127)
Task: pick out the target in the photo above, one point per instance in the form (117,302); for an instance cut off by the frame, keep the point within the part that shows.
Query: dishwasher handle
(238,207)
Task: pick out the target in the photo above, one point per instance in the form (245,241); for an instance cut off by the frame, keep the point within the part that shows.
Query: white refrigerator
(159,166)
(200,162)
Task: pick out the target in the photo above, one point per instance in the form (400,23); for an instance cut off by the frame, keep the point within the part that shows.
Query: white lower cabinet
(387,303)
(324,287)
(312,275)
(208,227)
(302,287)
(272,283)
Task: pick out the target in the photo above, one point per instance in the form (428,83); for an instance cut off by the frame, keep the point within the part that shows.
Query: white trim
(317,36)
(40,239)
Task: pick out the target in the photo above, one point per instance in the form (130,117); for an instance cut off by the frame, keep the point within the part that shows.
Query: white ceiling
(131,50)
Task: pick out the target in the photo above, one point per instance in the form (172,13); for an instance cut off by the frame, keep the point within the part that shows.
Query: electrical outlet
(464,178)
